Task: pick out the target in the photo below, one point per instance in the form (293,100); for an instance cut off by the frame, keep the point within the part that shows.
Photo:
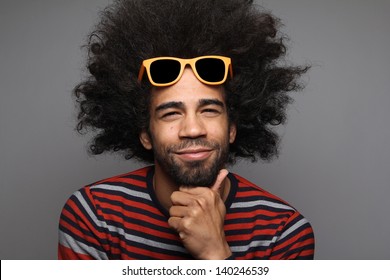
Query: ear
(145,139)
(232,133)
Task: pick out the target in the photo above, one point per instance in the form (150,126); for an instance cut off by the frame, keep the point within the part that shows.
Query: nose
(192,126)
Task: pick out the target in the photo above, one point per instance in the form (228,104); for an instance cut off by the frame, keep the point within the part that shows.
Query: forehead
(188,90)
(187,98)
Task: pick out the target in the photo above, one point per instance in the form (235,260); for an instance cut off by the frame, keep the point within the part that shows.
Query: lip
(194,154)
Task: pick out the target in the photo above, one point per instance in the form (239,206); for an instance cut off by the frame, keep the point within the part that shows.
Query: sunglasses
(165,71)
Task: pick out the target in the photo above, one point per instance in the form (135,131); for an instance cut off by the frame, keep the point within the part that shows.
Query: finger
(218,182)
(181,198)
(178,211)
(174,222)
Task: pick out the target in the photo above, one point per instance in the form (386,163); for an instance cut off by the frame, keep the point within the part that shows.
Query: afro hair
(116,107)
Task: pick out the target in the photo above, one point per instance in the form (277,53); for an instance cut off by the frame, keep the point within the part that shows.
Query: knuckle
(172,222)
(194,211)
(202,202)
(186,225)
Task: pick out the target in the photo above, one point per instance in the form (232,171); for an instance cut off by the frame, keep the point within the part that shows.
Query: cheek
(165,136)
(220,130)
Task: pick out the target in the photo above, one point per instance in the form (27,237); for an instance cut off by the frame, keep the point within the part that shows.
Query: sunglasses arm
(141,73)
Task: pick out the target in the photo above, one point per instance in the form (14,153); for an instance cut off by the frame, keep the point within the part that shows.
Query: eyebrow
(180,105)
(168,105)
(205,102)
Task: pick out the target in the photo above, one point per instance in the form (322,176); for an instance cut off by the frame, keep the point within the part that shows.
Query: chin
(195,173)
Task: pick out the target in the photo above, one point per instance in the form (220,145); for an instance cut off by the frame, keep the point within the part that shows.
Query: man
(189,86)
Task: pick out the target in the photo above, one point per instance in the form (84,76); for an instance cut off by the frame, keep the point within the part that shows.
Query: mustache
(188,143)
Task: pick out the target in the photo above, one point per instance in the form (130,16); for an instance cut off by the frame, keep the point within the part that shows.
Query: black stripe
(255,218)
(257,208)
(251,230)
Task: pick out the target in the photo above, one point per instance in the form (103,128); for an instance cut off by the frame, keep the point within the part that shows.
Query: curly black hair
(116,107)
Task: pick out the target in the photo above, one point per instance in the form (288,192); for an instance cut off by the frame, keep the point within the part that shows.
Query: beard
(202,173)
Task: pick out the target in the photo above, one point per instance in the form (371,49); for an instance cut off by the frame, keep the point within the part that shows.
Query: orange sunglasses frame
(183,63)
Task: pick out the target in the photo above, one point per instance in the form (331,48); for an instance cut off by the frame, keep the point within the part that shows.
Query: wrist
(223,253)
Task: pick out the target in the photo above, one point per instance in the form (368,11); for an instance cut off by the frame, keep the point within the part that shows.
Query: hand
(198,214)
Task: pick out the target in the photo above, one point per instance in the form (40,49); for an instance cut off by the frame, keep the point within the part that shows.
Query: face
(189,131)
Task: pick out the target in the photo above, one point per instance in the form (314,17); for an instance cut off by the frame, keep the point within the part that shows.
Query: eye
(211,112)
(171,115)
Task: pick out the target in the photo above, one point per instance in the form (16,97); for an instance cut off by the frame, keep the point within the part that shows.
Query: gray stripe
(79,247)
(292,228)
(123,190)
(261,203)
(121,231)
(253,244)
(155,244)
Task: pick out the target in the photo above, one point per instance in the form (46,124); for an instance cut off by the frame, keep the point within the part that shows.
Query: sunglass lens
(211,69)
(164,71)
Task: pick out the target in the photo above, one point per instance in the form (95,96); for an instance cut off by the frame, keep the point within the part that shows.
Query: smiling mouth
(194,154)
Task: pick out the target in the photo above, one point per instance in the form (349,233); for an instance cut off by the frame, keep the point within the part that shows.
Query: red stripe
(124,201)
(130,214)
(294,246)
(253,214)
(65,253)
(253,193)
(250,225)
(130,181)
(146,253)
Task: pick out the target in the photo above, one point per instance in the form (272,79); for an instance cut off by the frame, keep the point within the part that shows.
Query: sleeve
(81,233)
(296,240)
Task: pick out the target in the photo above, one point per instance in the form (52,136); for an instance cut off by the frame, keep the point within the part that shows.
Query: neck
(163,187)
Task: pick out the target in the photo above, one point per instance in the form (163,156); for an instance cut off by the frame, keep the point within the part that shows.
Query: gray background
(335,160)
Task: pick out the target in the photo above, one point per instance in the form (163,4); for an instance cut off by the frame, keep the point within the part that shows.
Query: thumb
(218,182)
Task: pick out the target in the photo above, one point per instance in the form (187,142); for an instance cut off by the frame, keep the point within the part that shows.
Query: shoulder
(257,203)
(133,184)
(249,193)
(137,177)
(292,234)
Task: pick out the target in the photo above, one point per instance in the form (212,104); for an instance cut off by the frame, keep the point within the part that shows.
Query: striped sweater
(121,218)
